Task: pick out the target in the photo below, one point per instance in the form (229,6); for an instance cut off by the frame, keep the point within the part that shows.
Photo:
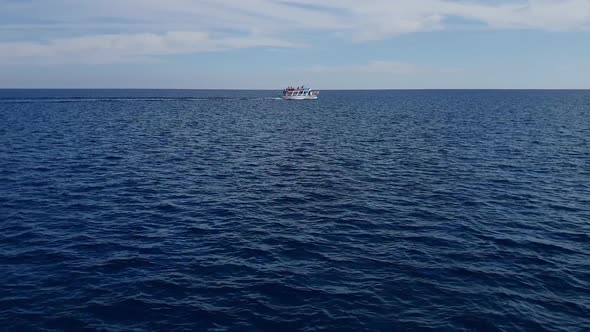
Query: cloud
(375,66)
(378,67)
(532,14)
(378,74)
(126,30)
(127,47)
(379,19)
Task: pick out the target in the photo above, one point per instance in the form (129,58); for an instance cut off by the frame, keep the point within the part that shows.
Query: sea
(221,210)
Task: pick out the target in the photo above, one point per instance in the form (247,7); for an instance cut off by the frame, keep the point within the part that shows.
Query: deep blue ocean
(180,210)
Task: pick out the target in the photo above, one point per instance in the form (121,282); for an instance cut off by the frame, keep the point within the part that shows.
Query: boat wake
(115,99)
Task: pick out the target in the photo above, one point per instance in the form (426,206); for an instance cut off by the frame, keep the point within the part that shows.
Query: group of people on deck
(294,89)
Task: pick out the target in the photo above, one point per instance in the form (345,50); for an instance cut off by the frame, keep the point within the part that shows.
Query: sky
(269,44)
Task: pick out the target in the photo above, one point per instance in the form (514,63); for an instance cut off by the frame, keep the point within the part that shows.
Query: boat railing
(299,92)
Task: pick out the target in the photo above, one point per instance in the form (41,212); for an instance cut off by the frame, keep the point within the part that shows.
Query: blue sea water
(140,210)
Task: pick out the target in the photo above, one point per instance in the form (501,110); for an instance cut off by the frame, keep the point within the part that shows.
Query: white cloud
(378,74)
(126,47)
(125,30)
(378,19)
(377,67)
(391,67)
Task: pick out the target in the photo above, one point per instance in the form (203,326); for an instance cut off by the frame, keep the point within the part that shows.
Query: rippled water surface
(235,211)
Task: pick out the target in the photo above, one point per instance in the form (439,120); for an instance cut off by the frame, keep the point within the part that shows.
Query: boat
(300,93)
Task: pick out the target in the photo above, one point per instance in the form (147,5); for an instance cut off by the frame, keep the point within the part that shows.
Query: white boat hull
(300,97)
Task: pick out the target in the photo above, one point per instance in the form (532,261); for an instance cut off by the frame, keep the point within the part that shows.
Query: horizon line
(327,89)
